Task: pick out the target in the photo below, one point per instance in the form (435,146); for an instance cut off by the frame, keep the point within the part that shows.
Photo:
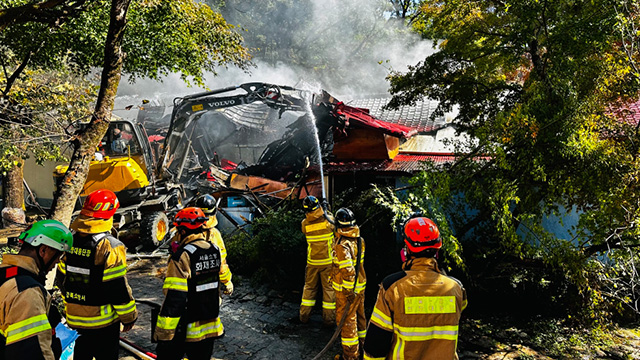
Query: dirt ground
(258,322)
(259,325)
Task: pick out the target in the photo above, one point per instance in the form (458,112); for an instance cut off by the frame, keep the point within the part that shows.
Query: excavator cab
(124,163)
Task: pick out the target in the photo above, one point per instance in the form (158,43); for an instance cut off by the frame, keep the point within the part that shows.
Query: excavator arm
(189,108)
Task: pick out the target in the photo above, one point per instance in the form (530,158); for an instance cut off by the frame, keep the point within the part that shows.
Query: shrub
(275,254)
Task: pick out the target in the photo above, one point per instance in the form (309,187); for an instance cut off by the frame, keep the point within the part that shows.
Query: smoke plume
(344,47)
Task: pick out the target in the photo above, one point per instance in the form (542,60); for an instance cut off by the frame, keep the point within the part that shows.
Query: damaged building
(360,143)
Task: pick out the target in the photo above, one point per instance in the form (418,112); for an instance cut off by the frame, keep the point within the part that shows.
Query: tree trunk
(12,188)
(13,193)
(86,141)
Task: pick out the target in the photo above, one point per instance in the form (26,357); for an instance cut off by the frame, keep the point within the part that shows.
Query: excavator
(152,187)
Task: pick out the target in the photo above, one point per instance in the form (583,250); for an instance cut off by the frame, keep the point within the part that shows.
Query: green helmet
(51,233)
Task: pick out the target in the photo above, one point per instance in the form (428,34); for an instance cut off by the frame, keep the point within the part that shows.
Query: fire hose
(346,309)
(137,350)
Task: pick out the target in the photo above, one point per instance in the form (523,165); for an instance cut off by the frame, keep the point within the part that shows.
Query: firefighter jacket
(92,279)
(213,235)
(319,233)
(24,304)
(416,314)
(344,280)
(191,291)
(345,257)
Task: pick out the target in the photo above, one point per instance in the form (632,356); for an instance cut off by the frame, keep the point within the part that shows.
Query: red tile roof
(629,112)
(361,117)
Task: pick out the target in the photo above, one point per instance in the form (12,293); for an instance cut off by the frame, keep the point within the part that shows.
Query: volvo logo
(222,103)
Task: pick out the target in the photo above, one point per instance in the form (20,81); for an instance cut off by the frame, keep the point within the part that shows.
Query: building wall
(40,180)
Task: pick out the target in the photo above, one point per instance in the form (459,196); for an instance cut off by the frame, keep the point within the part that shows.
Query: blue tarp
(68,338)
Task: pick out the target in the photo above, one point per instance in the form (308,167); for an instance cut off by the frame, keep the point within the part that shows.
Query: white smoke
(336,32)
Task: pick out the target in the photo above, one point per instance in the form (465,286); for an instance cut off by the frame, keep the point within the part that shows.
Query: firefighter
(318,229)
(26,328)
(418,309)
(188,321)
(349,281)
(208,205)
(92,279)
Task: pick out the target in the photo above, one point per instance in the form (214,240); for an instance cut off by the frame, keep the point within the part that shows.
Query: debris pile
(208,136)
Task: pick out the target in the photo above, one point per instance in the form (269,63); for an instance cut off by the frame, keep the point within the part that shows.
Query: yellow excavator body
(116,174)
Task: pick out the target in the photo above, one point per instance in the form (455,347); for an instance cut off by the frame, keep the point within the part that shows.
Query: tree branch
(52,12)
(11,79)
(593,249)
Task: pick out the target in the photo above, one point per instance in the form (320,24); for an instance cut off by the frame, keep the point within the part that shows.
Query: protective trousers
(101,344)
(178,347)
(313,274)
(355,325)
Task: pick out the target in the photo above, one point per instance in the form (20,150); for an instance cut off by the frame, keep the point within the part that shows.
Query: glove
(350,295)
(174,246)
(228,288)
(129,326)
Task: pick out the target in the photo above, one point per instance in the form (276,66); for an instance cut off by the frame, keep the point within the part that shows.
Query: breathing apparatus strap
(359,257)
(46,266)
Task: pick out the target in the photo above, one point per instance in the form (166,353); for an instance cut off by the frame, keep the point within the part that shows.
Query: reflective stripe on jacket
(191,292)
(416,314)
(92,279)
(24,327)
(345,259)
(214,236)
(319,234)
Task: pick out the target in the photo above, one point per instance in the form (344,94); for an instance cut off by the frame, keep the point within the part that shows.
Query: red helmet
(101,204)
(421,233)
(191,218)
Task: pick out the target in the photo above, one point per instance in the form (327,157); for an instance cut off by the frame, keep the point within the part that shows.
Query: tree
(55,101)
(405,9)
(182,36)
(535,83)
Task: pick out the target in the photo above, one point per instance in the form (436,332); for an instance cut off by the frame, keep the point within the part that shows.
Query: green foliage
(43,63)
(429,194)
(562,340)
(44,104)
(7,250)
(535,84)
(275,254)
(240,253)
(161,37)
(537,337)
(182,36)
